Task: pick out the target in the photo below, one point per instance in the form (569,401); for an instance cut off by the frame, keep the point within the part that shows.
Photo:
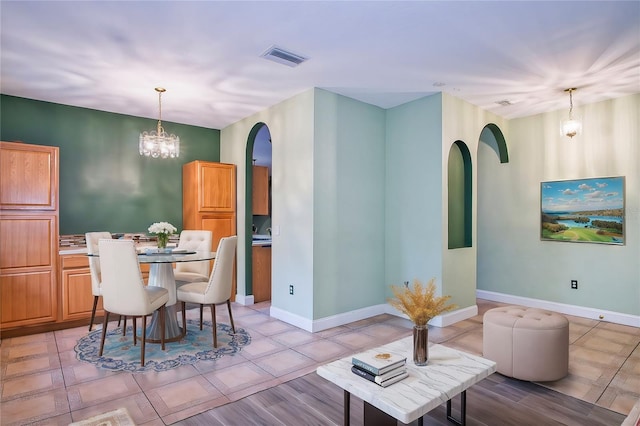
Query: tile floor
(43,383)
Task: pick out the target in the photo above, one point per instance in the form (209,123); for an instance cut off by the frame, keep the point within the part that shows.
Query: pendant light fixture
(572,126)
(157,143)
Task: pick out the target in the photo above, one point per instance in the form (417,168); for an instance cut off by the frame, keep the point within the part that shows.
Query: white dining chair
(91,239)
(124,292)
(189,272)
(216,290)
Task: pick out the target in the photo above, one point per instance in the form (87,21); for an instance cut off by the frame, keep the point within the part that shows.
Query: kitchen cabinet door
(260,191)
(28,176)
(28,267)
(261,273)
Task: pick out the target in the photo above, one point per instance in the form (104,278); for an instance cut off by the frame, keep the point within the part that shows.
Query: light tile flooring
(43,383)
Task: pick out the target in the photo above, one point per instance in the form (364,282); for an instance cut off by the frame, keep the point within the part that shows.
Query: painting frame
(588,210)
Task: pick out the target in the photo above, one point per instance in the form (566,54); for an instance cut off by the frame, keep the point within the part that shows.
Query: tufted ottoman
(527,343)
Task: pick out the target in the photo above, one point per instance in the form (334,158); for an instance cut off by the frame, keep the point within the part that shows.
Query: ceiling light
(157,143)
(572,126)
(504,102)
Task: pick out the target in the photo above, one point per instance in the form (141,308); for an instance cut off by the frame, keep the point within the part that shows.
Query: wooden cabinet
(260,190)
(28,234)
(28,177)
(209,199)
(77,297)
(261,272)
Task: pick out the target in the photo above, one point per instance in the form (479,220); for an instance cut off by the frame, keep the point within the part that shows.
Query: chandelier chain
(160,129)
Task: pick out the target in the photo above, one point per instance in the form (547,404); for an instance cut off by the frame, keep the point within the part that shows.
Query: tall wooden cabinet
(29,210)
(209,199)
(260,191)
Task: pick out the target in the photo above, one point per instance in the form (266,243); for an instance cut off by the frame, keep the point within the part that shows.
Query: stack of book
(382,368)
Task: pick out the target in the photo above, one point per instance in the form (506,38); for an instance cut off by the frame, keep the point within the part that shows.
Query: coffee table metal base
(375,416)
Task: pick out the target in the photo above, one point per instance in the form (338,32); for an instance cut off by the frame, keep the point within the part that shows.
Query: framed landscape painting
(583,210)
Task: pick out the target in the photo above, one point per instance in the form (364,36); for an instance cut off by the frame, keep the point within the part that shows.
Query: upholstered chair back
(195,241)
(92,239)
(122,284)
(221,280)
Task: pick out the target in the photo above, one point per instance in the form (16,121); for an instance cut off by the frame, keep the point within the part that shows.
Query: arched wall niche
(492,136)
(460,212)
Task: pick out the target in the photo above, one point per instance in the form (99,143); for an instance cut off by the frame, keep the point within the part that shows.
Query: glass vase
(420,344)
(163,239)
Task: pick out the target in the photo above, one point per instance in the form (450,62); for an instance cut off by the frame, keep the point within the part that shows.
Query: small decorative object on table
(162,231)
(420,305)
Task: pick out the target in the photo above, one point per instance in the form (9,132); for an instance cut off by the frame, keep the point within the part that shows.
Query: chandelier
(157,143)
(572,126)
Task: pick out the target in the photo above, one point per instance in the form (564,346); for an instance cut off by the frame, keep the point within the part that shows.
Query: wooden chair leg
(104,331)
(162,321)
(201,308)
(135,333)
(124,327)
(184,319)
(215,327)
(93,311)
(144,337)
(233,327)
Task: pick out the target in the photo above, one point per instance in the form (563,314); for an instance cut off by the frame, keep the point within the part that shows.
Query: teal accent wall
(348,204)
(459,185)
(105,185)
(413,188)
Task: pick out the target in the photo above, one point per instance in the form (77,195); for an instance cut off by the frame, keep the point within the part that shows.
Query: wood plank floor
(495,401)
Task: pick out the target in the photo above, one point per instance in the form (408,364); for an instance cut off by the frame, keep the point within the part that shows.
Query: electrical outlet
(574,284)
(291,289)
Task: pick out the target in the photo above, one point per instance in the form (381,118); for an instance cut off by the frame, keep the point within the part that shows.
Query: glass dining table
(161,275)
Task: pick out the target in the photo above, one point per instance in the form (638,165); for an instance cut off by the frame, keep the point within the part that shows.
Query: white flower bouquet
(162,231)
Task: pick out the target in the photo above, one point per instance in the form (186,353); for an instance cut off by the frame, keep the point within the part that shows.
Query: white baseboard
(348,317)
(241,299)
(293,319)
(579,311)
(327,322)
(364,313)
(443,320)
(450,318)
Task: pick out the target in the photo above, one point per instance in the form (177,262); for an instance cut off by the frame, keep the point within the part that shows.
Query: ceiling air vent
(281,56)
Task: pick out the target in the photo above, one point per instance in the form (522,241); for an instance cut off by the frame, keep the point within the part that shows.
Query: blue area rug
(121,355)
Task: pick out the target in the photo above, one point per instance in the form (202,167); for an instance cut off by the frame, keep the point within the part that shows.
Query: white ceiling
(110,55)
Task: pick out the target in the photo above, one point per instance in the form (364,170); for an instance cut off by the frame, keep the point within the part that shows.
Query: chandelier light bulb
(572,126)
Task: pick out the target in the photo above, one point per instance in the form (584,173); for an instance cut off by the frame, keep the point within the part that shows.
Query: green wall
(105,185)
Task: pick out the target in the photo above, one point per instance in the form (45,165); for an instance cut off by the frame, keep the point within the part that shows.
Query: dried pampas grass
(419,303)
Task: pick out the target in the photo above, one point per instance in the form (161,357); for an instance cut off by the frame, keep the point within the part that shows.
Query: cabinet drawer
(74,261)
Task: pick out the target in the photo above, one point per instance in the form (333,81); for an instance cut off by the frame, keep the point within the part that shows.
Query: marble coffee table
(449,372)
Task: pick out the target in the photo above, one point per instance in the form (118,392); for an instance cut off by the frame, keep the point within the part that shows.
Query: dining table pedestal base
(172,331)
(161,275)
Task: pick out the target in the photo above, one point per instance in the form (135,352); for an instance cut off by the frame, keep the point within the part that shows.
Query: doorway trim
(248,213)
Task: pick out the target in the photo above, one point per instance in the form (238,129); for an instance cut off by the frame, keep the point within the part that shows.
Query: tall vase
(420,344)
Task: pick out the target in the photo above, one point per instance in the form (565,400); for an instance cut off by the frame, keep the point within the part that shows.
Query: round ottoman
(527,343)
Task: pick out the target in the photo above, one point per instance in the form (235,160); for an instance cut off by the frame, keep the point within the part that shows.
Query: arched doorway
(258,212)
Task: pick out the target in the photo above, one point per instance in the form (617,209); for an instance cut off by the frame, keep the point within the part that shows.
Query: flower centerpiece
(162,231)
(420,304)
